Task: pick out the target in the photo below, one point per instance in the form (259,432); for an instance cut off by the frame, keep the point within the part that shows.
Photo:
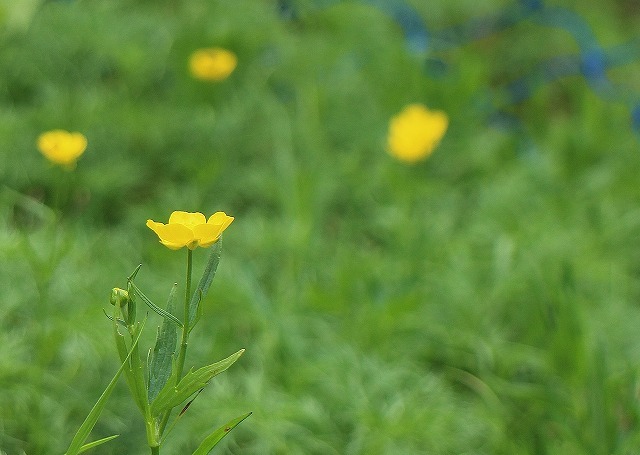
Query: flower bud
(120,297)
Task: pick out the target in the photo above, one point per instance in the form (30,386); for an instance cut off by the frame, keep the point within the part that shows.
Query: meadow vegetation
(482,301)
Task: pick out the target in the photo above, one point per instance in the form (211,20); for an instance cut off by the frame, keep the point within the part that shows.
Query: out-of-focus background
(484,300)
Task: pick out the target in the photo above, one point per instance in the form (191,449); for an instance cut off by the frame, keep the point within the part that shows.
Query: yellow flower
(213,64)
(190,229)
(62,147)
(415,132)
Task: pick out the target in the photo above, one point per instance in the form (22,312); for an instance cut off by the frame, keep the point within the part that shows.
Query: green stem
(141,394)
(185,328)
(163,422)
(155,450)
(184,339)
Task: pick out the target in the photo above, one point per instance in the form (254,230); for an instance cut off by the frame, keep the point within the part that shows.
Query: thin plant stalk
(185,328)
(184,341)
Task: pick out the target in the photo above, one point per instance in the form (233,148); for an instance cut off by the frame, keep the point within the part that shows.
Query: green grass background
(485,301)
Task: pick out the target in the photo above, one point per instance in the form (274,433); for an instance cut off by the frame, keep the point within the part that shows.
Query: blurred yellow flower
(62,147)
(190,229)
(212,64)
(415,132)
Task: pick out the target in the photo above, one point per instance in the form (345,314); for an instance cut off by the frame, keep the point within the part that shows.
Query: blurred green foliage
(482,302)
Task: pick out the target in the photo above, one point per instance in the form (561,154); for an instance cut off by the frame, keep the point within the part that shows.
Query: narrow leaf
(93,444)
(139,390)
(135,273)
(185,408)
(94,414)
(30,205)
(171,396)
(125,357)
(180,414)
(214,438)
(111,318)
(153,306)
(205,281)
(163,351)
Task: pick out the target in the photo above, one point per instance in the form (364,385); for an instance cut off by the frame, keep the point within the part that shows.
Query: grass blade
(88,424)
(93,444)
(153,306)
(214,438)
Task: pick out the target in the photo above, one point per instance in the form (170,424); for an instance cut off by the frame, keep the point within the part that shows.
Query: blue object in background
(415,31)
(592,61)
(635,117)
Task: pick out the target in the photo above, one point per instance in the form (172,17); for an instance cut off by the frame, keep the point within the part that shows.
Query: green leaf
(153,306)
(30,204)
(171,396)
(118,320)
(136,374)
(93,444)
(88,424)
(125,358)
(134,274)
(205,281)
(214,438)
(163,351)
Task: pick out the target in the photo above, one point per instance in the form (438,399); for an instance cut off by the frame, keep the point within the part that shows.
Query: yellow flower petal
(190,229)
(207,234)
(188,219)
(220,218)
(416,132)
(213,64)
(62,147)
(173,236)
